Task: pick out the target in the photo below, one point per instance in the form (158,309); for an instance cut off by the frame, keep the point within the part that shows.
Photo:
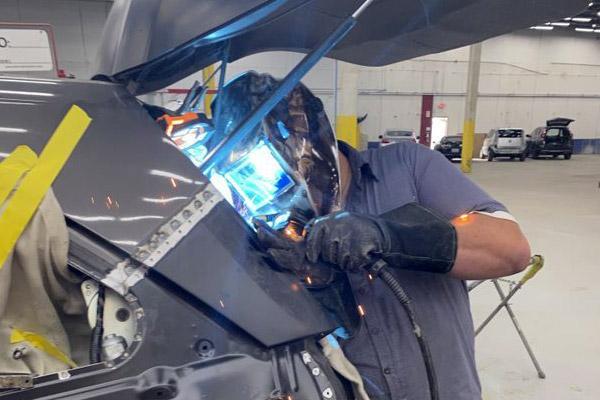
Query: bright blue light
(283,130)
(258,177)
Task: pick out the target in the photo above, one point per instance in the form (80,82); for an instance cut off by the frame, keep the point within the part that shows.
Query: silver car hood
(150,44)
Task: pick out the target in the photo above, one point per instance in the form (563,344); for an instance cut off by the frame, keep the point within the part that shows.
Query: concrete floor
(557,203)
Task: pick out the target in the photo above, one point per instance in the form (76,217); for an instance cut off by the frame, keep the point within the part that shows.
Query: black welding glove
(289,255)
(409,237)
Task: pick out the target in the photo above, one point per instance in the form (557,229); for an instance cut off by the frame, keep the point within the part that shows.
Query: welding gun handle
(537,262)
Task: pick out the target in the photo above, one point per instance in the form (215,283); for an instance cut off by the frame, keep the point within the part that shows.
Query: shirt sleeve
(442,187)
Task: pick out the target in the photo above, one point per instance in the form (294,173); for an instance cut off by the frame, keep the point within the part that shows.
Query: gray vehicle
(207,316)
(504,142)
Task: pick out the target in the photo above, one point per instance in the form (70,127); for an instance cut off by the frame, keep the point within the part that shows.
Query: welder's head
(297,128)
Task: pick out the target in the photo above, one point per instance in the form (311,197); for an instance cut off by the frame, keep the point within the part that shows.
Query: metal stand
(537,264)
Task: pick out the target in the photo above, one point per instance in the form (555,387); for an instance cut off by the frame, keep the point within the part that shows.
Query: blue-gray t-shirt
(384,349)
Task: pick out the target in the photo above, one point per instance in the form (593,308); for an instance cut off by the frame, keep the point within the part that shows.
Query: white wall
(526,77)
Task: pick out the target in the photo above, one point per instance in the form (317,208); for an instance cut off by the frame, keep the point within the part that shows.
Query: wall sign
(27,48)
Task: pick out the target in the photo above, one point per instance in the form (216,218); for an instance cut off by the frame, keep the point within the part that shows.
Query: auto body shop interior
(299,199)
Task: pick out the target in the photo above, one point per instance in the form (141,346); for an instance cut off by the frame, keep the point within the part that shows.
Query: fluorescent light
(580,19)
(91,218)
(125,242)
(17,92)
(163,200)
(542,28)
(560,23)
(37,81)
(140,218)
(584,29)
(12,130)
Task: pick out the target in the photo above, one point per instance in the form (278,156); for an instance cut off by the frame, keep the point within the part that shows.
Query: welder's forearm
(488,248)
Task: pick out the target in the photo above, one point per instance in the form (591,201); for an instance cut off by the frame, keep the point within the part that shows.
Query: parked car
(504,142)
(450,147)
(396,136)
(554,139)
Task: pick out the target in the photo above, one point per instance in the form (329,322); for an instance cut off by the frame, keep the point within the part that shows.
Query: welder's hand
(290,255)
(409,237)
(286,253)
(349,241)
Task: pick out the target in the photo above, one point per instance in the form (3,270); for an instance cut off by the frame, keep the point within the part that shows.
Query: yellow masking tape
(40,342)
(12,169)
(36,183)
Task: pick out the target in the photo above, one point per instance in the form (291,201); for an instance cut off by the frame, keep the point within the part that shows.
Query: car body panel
(125,180)
(114,182)
(150,44)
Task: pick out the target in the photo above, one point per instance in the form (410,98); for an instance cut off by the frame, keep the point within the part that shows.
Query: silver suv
(504,142)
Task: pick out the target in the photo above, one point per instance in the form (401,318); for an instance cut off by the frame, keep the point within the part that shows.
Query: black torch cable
(381,270)
(98,331)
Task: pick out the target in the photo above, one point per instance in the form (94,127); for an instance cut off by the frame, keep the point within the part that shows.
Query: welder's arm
(488,247)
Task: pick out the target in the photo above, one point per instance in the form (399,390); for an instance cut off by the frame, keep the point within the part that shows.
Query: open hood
(150,44)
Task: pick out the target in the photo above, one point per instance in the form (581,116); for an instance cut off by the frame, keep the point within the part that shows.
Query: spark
(361,310)
(221,303)
(173,183)
(308,280)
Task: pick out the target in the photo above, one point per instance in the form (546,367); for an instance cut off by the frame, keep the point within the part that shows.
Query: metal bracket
(178,227)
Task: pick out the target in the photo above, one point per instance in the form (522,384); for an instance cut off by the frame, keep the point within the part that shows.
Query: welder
(403,204)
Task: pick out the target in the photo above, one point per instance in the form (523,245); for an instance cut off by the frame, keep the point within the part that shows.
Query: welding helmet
(287,167)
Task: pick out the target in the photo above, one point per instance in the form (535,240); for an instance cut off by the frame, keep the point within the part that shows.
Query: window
(510,133)
(554,132)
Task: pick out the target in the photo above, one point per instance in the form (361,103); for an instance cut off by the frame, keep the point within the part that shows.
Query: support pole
(211,85)
(346,123)
(470,108)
